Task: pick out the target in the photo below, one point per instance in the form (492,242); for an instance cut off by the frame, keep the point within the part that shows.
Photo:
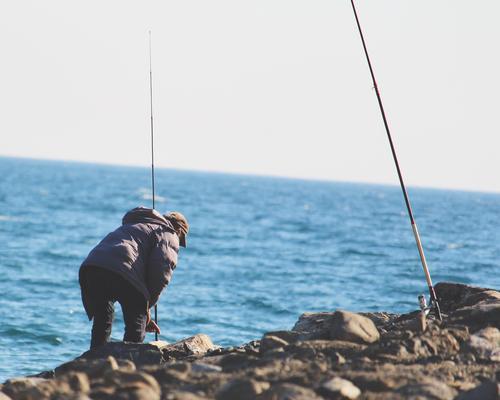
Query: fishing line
(152,148)
(434,300)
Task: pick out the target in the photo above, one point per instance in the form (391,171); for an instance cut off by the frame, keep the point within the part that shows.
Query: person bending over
(131,265)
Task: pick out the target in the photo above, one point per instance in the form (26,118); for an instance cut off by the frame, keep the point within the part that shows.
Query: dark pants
(100,290)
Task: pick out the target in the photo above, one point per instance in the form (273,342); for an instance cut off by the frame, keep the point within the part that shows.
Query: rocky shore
(330,355)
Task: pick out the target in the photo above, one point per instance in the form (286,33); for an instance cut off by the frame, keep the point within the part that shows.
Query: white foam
(147,195)
(8,218)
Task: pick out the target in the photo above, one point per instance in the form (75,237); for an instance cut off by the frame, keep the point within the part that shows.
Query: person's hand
(151,326)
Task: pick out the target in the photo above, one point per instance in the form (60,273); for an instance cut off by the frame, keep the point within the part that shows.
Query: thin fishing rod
(152,148)
(433,296)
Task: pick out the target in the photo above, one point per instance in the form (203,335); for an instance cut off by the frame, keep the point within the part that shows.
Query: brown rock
(340,325)
(353,328)
(288,336)
(36,388)
(139,353)
(93,368)
(271,343)
(15,385)
(195,345)
(77,381)
(456,295)
(288,391)
(183,395)
(485,344)
(338,388)
(241,389)
(427,389)
(125,379)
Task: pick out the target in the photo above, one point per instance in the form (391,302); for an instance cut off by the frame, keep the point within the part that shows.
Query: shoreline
(328,355)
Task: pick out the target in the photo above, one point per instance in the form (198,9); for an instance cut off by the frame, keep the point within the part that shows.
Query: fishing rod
(152,148)
(434,301)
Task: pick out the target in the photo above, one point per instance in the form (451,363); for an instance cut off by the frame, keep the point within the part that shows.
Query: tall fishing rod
(434,300)
(152,148)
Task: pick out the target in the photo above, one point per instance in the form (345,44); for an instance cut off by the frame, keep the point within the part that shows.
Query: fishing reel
(432,308)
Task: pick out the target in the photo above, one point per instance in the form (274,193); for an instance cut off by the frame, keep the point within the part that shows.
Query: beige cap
(180,224)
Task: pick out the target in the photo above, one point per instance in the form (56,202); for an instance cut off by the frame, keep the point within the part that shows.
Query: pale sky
(263,86)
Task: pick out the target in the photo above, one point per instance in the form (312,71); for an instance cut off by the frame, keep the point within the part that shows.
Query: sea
(261,251)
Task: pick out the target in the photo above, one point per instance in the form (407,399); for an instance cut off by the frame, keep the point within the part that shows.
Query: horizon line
(250,174)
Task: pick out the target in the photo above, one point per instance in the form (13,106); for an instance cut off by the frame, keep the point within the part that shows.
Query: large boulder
(468,305)
(339,325)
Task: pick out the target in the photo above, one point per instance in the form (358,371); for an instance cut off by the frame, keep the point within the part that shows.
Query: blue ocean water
(261,251)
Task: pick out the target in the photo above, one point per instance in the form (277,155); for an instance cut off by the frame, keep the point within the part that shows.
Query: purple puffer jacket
(143,250)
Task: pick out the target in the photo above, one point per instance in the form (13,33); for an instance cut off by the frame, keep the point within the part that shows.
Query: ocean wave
(146,194)
(9,218)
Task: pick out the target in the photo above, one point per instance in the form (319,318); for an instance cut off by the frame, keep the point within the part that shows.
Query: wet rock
(242,389)
(340,325)
(271,343)
(195,345)
(428,389)
(485,344)
(338,388)
(288,391)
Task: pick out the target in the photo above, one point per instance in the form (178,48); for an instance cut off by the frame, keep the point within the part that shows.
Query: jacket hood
(146,215)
